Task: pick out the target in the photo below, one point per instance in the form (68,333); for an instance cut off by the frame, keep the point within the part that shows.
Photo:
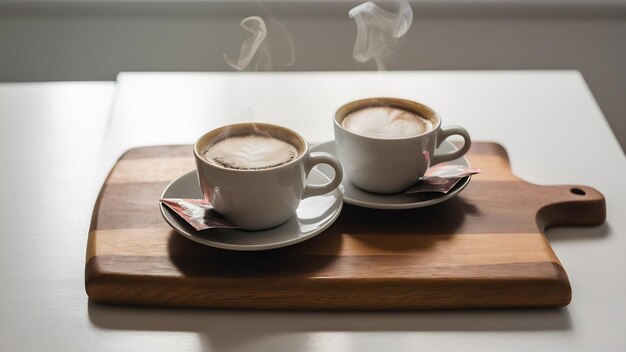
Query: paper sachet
(441,178)
(450,171)
(198,213)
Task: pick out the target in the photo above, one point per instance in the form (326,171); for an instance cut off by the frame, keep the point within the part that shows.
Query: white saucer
(356,196)
(313,216)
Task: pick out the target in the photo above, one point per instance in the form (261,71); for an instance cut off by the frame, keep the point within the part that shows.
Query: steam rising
(291,59)
(256,26)
(378,30)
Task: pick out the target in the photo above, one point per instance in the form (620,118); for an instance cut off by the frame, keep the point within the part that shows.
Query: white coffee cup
(381,165)
(260,198)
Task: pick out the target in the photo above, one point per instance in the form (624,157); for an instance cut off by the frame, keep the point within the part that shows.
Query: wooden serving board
(483,248)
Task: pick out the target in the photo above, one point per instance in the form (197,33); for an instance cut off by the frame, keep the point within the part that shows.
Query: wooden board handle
(571,205)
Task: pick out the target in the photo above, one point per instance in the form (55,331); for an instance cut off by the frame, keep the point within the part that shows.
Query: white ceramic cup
(392,165)
(260,199)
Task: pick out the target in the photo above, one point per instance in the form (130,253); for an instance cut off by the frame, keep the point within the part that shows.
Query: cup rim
(386,101)
(305,149)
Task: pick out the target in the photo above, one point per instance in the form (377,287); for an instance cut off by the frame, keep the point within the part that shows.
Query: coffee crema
(250,152)
(386,122)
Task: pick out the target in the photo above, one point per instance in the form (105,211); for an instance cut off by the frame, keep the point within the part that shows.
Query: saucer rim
(396,206)
(174,224)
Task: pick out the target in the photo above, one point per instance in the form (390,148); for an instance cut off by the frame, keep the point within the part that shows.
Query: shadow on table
(232,329)
(561,234)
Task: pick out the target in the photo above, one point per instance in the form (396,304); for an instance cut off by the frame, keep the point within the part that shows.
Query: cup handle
(442,134)
(322,158)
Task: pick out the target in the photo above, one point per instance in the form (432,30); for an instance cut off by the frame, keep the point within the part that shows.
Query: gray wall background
(92,40)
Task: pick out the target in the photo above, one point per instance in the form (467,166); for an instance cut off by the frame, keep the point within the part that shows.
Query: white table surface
(59,140)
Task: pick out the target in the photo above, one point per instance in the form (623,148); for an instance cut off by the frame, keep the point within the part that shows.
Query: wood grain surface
(482,249)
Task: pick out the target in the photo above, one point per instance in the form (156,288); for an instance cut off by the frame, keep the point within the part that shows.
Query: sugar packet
(450,171)
(441,178)
(198,213)
(434,184)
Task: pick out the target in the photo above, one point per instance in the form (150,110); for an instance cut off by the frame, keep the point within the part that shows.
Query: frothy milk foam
(250,152)
(386,122)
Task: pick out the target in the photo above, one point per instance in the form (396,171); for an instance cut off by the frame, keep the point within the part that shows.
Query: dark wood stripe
(481,208)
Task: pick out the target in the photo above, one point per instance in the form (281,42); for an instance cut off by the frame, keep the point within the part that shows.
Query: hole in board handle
(578,191)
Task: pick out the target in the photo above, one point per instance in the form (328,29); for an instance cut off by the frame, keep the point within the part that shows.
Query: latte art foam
(386,122)
(250,152)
